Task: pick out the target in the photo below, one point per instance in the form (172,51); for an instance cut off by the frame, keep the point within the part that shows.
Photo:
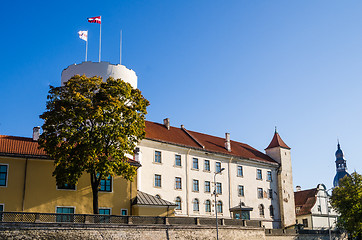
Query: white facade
(190,175)
(101,69)
(322,215)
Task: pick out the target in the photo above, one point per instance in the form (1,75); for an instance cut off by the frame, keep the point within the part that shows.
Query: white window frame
(62,189)
(154,157)
(7,174)
(124,209)
(237,171)
(154,180)
(110,210)
(178,178)
(176,155)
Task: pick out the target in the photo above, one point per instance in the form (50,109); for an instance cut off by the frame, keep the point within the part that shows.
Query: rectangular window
(207,165)
(106,185)
(1,207)
(178,160)
(178,183)
(260,193)
(68,214)
(269,176)
(240,171)
(195,185)
(217,167)
(259,175)
(157,156)
(270,193)
(305,222)
(218,188)
(104,211)
(207,186)
(157,180)
(241,191)
(195,163)
(124,212)
(66,186)
(3,175)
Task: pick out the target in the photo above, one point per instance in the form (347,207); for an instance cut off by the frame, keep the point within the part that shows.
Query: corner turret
(280,152)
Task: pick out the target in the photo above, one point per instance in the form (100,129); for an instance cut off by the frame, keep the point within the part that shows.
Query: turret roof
(277,142)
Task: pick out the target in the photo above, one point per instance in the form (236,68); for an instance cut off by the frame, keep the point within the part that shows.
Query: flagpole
(100,39)
(120,50)
(86,48)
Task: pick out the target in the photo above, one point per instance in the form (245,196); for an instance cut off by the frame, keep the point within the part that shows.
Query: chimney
(166,122)
(227,142)
(298,188)
(36,133)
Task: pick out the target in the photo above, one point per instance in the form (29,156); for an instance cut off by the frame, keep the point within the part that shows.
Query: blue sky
(241,66)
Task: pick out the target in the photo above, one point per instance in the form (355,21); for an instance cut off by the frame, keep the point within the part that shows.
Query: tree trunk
(95,185)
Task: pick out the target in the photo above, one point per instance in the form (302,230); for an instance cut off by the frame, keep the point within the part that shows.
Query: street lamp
(329,225)
(217,225)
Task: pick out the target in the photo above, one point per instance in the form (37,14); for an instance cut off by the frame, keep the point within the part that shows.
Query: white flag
(83,35)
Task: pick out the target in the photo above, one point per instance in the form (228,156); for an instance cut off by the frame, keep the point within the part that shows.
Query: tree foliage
(346,199)
(90,126)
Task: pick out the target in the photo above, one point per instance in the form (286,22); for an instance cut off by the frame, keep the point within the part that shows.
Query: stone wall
(65,231)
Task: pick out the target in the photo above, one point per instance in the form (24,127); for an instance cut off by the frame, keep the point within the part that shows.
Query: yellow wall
(42,195)
(153,211)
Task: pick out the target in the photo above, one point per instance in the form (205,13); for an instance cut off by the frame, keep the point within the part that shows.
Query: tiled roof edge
(25,156)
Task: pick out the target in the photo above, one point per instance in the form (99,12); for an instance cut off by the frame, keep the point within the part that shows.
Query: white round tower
(101,69)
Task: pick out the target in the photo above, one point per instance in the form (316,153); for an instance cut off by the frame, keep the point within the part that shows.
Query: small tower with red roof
(280,152)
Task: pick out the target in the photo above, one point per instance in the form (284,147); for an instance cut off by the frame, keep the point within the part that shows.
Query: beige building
(180,166)
(27,185)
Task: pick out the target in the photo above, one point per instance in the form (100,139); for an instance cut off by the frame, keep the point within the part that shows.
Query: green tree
(346,199)
(90,126)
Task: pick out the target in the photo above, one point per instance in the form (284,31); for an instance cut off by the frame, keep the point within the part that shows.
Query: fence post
(166,221)
(129,220)
(222,221)
(197,221)
(243,223)
(86,219)
(37,217)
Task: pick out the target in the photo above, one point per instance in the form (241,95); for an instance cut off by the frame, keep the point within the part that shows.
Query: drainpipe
(229,185)
(24,184)
(187,182)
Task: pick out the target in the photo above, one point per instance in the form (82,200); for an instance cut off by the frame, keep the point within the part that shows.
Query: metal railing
(26,217)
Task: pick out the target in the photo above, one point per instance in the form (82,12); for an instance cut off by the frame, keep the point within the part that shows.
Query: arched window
(271,211)
(207,206)
(219,207)
(196,205)
(158,196)
(178,203)
(261,210)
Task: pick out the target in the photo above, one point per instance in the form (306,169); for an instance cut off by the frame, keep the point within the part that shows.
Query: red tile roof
(20,147)
(187,138)
(305,200)
(277,142)
(25,147)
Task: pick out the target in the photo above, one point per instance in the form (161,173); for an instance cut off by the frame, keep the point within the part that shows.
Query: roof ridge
(193,138)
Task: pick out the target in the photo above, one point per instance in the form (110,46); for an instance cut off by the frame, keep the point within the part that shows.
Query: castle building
(341,166)
(180,166)
(179,172)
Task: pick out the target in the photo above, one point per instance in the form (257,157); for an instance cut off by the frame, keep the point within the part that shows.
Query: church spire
(341,165)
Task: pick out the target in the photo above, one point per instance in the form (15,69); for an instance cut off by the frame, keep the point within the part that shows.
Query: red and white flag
(83,35)
(95,19)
